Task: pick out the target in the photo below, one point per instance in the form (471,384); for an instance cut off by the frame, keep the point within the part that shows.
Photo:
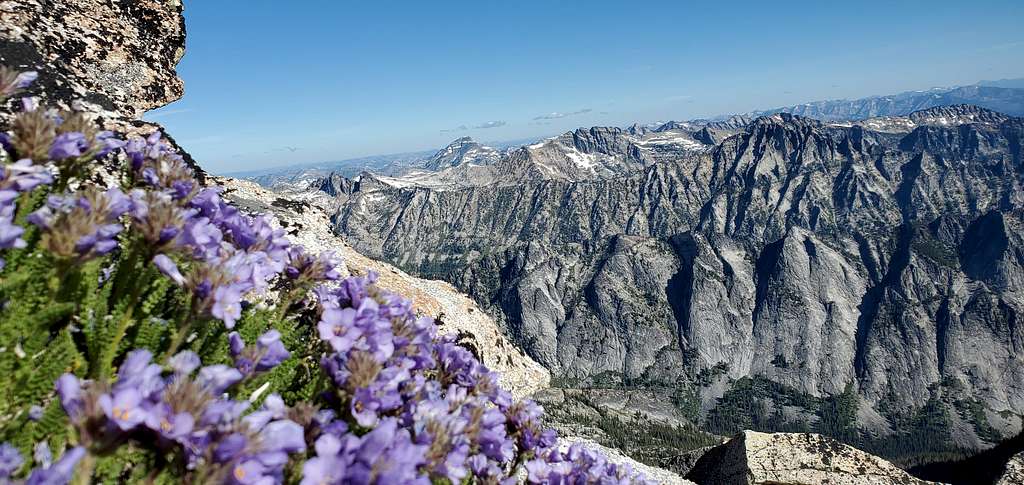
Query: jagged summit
(788,119)
(940,116)
(462,150)
(957,114)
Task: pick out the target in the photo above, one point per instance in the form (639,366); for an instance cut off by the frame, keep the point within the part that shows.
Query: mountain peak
(957,114)
(787,119)
(461,150)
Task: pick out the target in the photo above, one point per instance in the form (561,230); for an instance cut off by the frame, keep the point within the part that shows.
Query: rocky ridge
(796,259)
(1008,100)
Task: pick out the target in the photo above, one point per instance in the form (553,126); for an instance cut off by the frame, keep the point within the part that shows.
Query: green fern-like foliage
(83,315)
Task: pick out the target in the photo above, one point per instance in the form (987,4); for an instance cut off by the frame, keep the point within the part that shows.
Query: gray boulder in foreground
(1014,472)
(793,459)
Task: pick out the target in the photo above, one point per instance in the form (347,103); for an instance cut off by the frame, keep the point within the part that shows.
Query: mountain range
(859,278)
(1005,96)
(846,267)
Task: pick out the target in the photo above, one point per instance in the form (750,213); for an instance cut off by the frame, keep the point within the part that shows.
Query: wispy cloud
(1004,46)
(489,124)
(679,97)
(282,149)
(166,113)
(556,115)
(482,126)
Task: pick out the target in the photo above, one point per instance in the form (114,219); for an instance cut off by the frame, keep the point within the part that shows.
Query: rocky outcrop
(1013,474)
(114,59)
(117,54)
(793,459)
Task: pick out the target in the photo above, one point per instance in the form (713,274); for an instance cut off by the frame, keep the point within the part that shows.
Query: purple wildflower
(26,79)
(61,472)
(217,378)
(268,352)
(170,425)
(10,460)
(35,412)
(185,362)
(69,145)
(123,408)
(168,268)
(70,392)
(327,466)
(227,305)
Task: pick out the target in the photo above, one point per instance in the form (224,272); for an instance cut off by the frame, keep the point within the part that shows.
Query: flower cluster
(578,465)
(177,410)
(47,472)
(16,179)
(436,412)
(204,244)
(82,226)
(393,403)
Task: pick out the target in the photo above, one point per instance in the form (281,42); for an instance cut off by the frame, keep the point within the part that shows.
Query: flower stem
(83,474)
(107,356)
(182,329)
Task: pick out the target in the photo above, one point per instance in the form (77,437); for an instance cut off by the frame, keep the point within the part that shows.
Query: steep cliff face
(820,257)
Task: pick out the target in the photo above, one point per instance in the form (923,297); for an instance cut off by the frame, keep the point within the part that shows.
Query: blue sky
(272,83)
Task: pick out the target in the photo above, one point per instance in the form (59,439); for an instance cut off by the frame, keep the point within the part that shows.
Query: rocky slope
(308,226)
(795,261)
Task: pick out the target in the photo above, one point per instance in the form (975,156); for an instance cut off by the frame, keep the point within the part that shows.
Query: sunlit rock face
(793,459)
(119,55)
(112,59)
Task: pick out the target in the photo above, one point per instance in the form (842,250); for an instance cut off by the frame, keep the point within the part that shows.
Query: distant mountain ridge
(1002,96)
(1009,100)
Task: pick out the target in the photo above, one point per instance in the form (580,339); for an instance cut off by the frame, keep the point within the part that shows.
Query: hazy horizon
(321,82)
